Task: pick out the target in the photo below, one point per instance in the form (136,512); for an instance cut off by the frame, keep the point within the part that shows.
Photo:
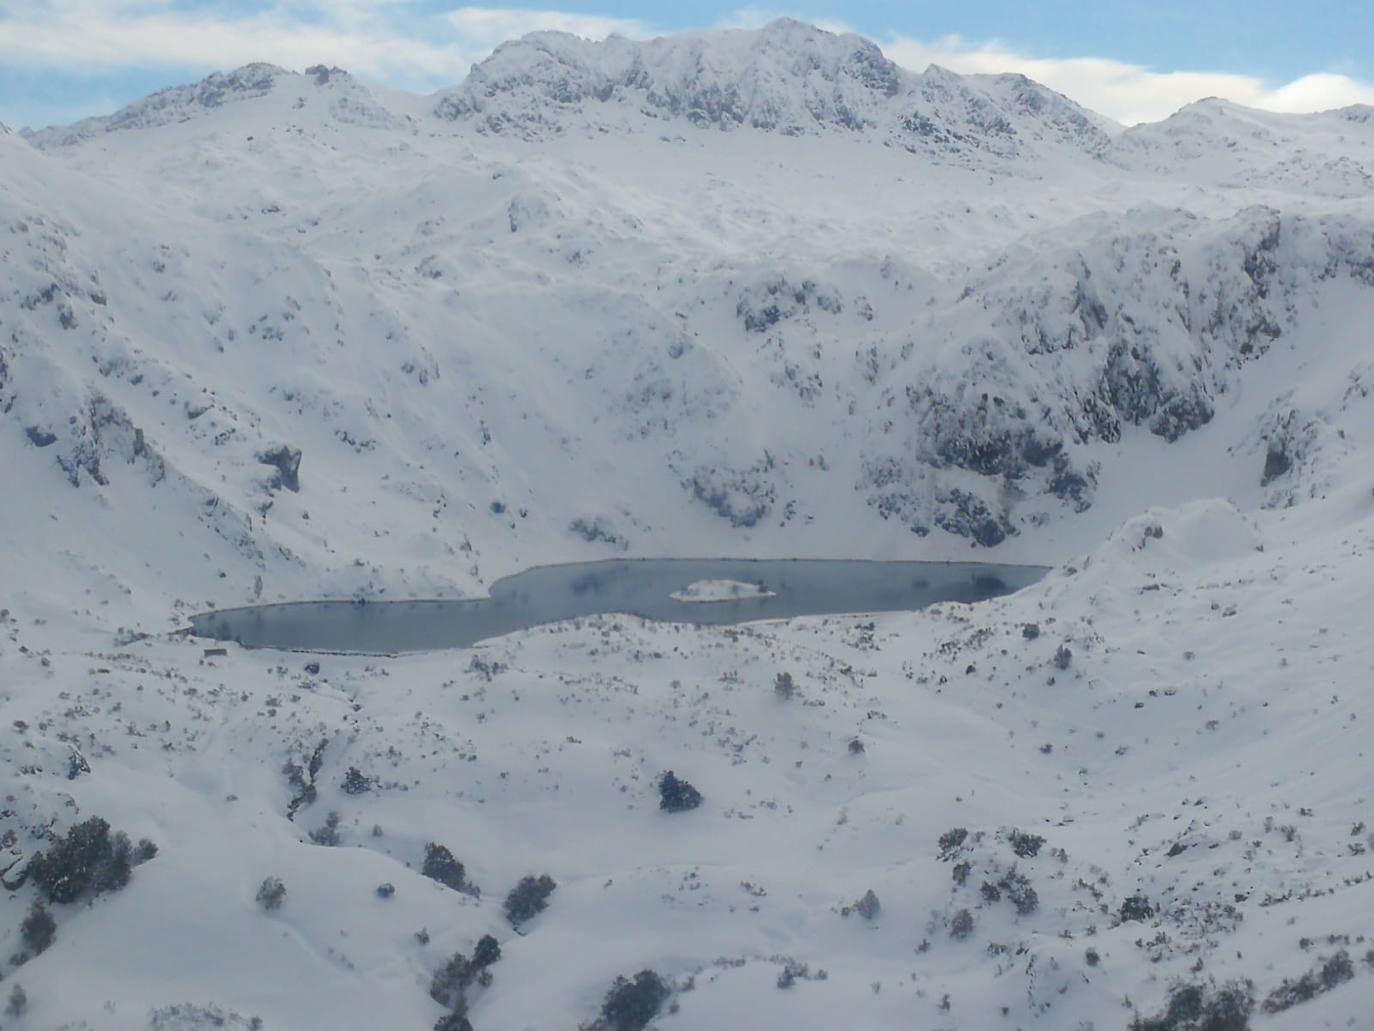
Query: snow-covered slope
(276,335)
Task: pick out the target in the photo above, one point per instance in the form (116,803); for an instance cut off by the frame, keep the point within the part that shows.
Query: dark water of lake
(640,587)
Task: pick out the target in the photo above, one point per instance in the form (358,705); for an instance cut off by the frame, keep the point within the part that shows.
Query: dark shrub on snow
(1137,907)
(356,782)
(1332,971)
(38,930)
(528,898)
(961,924)
(271,893)
(450,984)
(88,861)
(1025,845)
(442,866)
(676,795)
(1196,1007)
(630,1005)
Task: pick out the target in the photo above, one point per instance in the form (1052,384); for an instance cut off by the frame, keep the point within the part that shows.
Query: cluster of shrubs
(328,833)
(1197,1007)
(451,982)
(87,862)
(1332,971)
(951,841)
(1027,846)
(302,779)
(1017,888)
(632,1003)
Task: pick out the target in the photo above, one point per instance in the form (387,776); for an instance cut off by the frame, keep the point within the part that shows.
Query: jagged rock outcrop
(787,77)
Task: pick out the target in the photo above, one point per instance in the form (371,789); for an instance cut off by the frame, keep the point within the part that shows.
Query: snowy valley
(278,336)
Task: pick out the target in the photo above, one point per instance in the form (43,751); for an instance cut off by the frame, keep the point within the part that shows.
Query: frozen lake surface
(640,587)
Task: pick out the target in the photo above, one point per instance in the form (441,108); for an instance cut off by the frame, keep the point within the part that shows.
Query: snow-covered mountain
(279,335)
(787,77)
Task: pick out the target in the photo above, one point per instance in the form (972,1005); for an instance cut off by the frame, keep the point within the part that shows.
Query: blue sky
(63,59)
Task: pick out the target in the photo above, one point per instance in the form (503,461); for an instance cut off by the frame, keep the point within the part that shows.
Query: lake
(782,589)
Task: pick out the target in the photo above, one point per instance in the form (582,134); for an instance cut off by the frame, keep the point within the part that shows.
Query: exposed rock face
(672,262)
(170,105)
(787,77)
(287,461)
(345,98)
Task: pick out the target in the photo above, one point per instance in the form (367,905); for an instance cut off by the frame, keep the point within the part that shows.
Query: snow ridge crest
(787,77)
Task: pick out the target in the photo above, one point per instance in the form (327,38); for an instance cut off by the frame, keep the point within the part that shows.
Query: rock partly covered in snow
(721,590)
(346,98)
(787,77)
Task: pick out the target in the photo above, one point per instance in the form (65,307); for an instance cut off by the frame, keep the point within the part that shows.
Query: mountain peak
(787,77)
(347,99)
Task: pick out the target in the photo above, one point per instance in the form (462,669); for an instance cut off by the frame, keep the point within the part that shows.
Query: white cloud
(1125,92)
(489,27)
(1319,92)
(407,45)
(391,40)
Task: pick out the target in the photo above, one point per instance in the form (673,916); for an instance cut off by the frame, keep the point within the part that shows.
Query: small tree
(961,924)
(676,795)
(449,986)
(784,686)
(630,1005)
(271,894)
(1137,907)
(441,865)
(867,907)
(529,898)
(18,1003)
(356,782)
(1025,845)
(38,930)
(327,835)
